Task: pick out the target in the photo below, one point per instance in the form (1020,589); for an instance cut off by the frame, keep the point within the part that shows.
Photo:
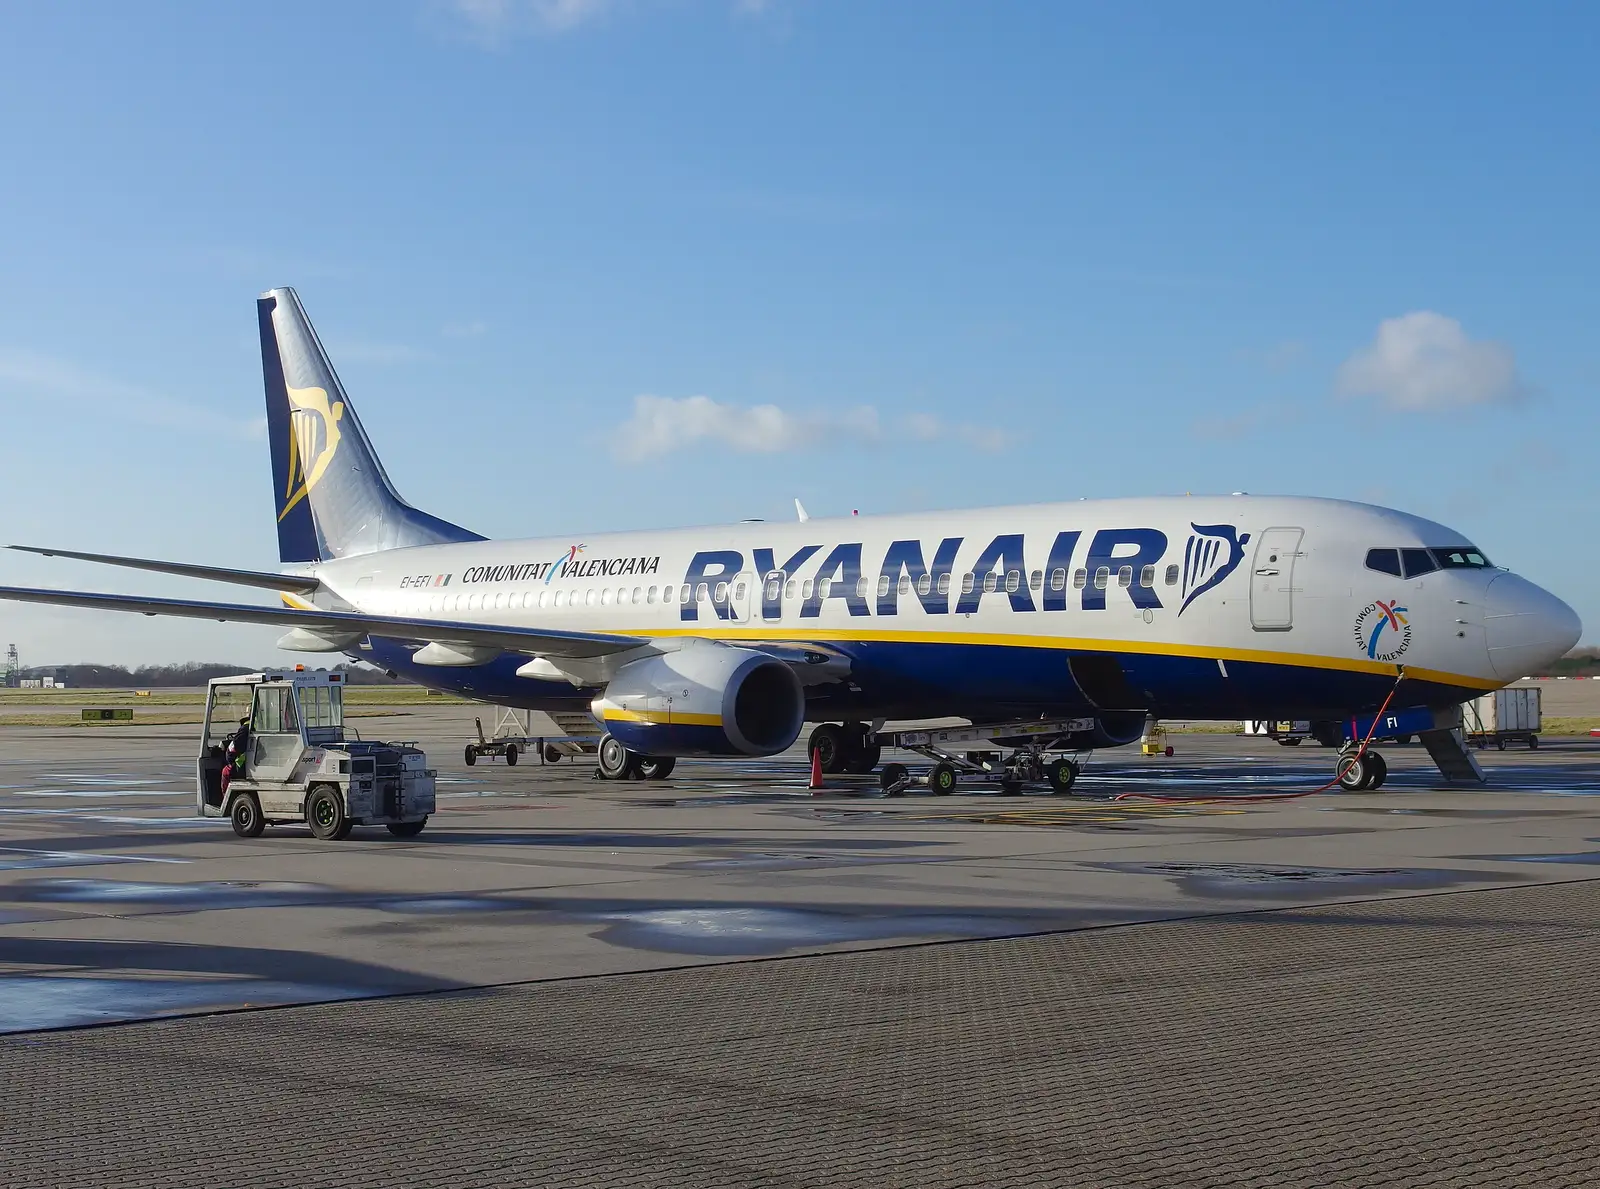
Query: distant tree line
(191,674)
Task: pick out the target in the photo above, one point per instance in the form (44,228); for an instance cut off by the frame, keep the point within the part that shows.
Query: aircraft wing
(295,583)
(535,641)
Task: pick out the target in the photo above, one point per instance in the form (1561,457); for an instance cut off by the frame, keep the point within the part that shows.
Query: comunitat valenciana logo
(1382,630)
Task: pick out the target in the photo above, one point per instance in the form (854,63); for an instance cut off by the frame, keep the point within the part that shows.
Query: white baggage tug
(281,737)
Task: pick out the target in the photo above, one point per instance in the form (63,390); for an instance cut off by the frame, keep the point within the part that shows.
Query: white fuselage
(1205,602)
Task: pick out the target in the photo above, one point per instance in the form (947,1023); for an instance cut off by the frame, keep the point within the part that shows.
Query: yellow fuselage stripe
(661,717)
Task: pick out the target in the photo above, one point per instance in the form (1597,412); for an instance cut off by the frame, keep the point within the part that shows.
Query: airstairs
(1457,764)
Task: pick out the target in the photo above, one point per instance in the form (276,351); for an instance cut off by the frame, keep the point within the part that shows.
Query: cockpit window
(1385,561)
(1460,557)
(1417,561)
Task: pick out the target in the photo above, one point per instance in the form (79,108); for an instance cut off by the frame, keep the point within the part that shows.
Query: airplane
(1096,615)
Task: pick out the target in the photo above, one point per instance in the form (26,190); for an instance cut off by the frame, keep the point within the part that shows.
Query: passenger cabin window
(883,586)
(1036,580)
(1417,561)
(1013,581)
(967,583)
(1172,575)
(1460,557)
(1125,576)
(925,585)
(1058,580)
(1147,577)
(1385,561)
(904,585)
(1102,577)
(944,584)
(720,593)
(1080,579)
(991,582)
(788,589)
(861,588)
(702,593)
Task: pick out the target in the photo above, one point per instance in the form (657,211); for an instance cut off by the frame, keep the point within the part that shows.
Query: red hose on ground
(1344,766)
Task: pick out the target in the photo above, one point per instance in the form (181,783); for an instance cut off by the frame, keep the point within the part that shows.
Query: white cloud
(663,425)
(1425,360)
(464,330)
(25,374)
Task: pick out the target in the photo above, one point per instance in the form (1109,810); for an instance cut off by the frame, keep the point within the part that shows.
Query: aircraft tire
(1061,774)
(864,759)
(1377,771)
(615,762)
(246,816)
(656,767)
(829,744)
(1354,774)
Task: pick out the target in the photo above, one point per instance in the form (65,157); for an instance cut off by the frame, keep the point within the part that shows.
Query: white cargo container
(1504,716)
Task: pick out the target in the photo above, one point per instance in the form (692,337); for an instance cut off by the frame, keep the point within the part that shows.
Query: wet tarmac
(540,872)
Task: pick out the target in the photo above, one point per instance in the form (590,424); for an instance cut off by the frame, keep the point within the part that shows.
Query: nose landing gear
(1361,772)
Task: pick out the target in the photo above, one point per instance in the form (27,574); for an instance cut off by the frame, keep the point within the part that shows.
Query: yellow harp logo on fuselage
(313,438)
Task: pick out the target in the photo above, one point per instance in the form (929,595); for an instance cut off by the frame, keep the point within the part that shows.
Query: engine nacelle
(704,699)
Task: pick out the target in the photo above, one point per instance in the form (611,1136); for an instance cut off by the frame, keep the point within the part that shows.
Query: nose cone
(1526,627)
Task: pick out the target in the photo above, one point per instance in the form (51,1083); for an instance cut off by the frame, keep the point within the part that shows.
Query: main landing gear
(1363,773)
(616,762)
(845,747)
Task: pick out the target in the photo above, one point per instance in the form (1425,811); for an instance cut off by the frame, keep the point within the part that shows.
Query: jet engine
(704,699)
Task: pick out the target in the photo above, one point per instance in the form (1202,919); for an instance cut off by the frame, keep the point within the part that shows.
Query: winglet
(800,510)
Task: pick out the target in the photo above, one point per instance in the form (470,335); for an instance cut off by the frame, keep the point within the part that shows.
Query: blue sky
(969,254)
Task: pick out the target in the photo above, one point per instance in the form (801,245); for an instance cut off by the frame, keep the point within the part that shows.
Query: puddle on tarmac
(97,792)
(428,905)
(30,1001)
(751,931)
(794,861)
(1582,858)
(620,841)
(1254,880)
(115,819)
(105,778)
(18,859)
(220,894)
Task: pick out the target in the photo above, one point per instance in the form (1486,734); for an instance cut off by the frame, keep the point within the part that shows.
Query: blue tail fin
(330,492)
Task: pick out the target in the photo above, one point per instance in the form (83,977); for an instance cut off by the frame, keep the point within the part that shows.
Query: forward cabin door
(1272,579)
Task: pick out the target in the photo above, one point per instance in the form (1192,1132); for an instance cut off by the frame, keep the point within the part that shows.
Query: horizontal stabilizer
(294,583)
(329,623)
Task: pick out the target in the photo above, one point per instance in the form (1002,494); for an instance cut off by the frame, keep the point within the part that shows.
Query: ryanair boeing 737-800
(726,640)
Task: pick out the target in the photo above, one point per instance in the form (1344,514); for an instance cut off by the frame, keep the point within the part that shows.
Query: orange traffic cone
(816,770)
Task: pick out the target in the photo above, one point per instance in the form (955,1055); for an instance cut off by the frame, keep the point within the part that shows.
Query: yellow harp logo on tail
(313,438)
